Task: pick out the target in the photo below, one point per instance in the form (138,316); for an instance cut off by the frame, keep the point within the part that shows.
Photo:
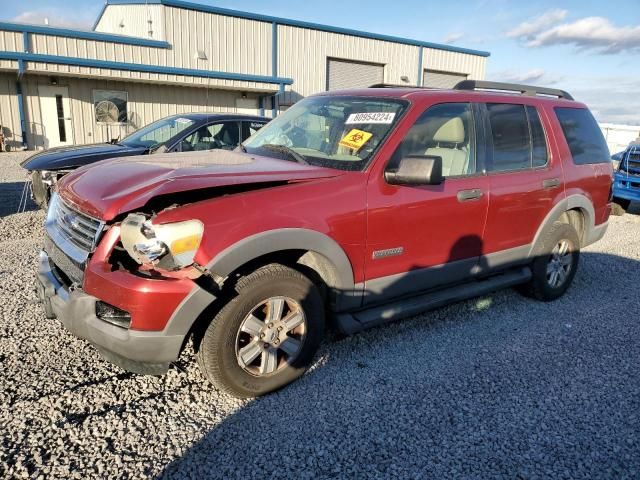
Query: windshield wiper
(287,151)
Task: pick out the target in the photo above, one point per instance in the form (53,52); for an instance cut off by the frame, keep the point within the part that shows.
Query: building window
(110,106)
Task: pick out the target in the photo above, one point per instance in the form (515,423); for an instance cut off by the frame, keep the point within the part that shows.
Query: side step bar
(356,321)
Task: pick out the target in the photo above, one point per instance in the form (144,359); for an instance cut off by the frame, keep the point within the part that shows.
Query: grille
(79,229)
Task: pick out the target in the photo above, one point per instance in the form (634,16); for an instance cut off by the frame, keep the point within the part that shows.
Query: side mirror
(417,170)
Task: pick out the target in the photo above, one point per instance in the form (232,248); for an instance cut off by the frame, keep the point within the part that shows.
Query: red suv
(358,207)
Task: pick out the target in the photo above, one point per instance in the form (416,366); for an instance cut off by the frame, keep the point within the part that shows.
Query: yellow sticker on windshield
(355,139)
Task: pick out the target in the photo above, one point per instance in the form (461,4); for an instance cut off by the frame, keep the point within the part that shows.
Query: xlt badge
(390,252)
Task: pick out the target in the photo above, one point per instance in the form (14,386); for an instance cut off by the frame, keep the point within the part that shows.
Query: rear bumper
(147,352)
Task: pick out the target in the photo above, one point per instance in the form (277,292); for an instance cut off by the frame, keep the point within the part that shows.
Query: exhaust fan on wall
(107,112)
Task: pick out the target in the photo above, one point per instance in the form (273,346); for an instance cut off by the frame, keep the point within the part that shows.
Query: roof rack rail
(511,87)
(393,85)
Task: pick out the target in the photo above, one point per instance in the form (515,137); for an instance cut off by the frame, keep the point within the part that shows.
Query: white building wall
(231,44)
(9,114)
(445,61)
(303,53)
(146,104)
(133,20)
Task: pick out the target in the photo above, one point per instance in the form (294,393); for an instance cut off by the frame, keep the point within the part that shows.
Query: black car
(177,133)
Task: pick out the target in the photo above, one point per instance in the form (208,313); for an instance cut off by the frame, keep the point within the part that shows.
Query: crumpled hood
(112,187)
(74,156)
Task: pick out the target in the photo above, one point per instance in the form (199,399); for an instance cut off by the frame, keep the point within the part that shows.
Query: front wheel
(266,336)
(555,264)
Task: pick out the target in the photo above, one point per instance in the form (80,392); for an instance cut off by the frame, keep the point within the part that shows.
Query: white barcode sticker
(371,117)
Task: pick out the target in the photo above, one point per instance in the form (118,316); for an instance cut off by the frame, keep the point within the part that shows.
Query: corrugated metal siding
(9,114)
(347,74)
(231,44)
(134,20)
(146,103)
(437,79)
(303,53)
(11,41)
(471,65)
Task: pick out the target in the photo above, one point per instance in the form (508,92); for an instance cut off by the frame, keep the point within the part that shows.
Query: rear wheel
(555,264)
(266,336)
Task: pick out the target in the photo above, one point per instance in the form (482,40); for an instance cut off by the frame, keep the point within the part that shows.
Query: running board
(371,317)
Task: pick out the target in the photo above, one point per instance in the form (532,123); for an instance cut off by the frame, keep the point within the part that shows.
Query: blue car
(626,183)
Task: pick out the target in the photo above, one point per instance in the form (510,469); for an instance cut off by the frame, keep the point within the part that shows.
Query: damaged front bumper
(138,351)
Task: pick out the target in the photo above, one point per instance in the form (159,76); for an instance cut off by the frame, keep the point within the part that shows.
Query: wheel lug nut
(276,341)
(279,329)
(262,335)
(270,325)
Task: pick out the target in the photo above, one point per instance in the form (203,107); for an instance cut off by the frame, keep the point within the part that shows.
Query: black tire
(216,352)
(540,286)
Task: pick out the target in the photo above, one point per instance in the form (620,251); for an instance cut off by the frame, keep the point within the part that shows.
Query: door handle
(551,183)
(467,195)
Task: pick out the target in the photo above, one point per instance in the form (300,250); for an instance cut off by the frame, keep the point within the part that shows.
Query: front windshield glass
(157,133)
(337,132)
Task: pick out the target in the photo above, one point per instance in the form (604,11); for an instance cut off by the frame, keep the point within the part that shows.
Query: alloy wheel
(560,264)
(271,336)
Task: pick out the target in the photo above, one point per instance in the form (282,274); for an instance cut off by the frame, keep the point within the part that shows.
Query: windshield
(157,133)
(337,132)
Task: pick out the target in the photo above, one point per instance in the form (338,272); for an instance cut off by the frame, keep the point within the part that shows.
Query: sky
(589,48)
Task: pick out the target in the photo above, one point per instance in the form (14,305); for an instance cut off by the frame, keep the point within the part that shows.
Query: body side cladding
(324,255)
(380,289)
(354,322)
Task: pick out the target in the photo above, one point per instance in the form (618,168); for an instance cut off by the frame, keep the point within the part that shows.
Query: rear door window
(539,152)
(584,137)
(511,137)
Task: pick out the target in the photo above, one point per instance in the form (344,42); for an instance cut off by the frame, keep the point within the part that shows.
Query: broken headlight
(169,246)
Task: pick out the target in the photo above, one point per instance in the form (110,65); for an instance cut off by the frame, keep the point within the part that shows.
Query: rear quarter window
(584,137)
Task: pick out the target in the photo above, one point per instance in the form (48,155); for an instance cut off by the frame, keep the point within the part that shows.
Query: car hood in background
(74,156)
(118,186)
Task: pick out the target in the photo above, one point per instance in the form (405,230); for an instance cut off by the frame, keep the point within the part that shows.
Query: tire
(549,257)
(230,340)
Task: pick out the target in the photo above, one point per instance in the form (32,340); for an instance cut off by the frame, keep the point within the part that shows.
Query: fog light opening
(113,315)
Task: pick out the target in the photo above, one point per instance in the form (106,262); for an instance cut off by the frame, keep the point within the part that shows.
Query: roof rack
(511,87)
(393,85)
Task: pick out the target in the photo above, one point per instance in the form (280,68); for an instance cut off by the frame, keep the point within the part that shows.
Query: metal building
(145,59)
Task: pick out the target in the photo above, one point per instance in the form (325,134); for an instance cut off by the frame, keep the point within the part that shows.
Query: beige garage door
(439,79)
(350,74)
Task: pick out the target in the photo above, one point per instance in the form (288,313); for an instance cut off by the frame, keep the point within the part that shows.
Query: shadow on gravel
(14,198)
(522,389)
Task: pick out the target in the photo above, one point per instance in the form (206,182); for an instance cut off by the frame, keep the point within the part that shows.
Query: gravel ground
(500,386)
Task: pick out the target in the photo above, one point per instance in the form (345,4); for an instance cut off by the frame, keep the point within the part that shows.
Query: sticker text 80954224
(371,117)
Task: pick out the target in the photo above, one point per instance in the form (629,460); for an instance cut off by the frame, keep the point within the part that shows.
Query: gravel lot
(500,386)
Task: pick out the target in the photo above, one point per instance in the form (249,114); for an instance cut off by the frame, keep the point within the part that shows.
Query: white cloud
(595,33)
(536,76)
(531,28)
(453,37)
(590,33)
(610,99)
(56,18)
